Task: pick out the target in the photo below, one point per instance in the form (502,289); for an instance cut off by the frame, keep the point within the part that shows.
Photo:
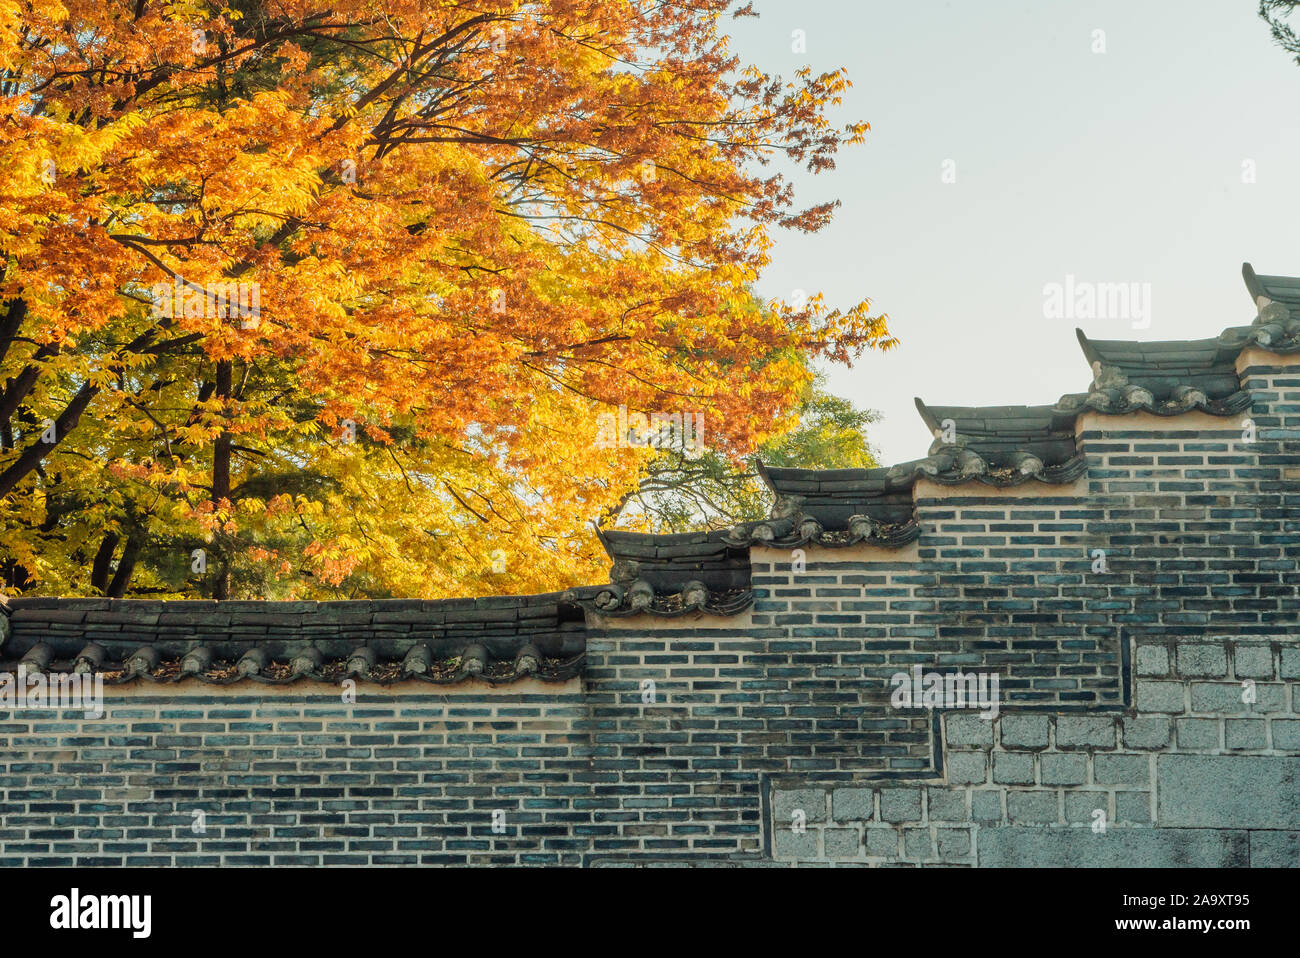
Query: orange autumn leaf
(308,299)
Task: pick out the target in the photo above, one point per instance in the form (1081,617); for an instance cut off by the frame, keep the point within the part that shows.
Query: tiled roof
(996,445)
(1000,445)
(1166,378)
(671,575)
(1266,290)
(499,639)
(832,507)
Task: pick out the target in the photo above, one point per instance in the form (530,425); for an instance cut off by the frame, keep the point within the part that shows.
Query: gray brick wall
(1178,787)
(1199,534)
(1156,698)
(297,781)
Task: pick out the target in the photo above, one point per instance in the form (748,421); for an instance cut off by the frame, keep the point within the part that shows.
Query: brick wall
(1201,772)
(298,780)
(1156,697)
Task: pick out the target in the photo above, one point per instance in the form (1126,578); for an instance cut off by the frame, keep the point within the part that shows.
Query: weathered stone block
(1218,697)
(1290,662)
(1202,660)
(1245,733)
(1008,847)
(1061,768)
(795,845)
(1270,698)
(881,841)
(1013,768)
(900,804)
(1286,734)
(1133,807)
(1085,731)
(1024,731)
(1036,807)
(1081,807)
(842,842)
(1157,697)
(1146,731)
(1198,733)
(1270,849)
(1252,661)
(1152,660)
(953,843)
(1121,769)
(967,768)
(1228,791)
(811,801)
(968,729)
(946,804)
(852,804)
(986,805)
(917,846)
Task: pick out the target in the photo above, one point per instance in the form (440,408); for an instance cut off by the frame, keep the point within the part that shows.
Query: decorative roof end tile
(1277,322)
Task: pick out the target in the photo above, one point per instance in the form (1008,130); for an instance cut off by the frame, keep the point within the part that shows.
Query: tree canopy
(680,492)
(321,300)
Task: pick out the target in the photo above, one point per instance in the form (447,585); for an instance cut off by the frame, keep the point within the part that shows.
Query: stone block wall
(1201,772)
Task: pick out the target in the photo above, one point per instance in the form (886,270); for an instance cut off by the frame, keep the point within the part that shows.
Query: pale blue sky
(1118,167)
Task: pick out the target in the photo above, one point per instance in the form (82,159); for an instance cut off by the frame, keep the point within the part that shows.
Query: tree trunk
(16,389)
(99,570)
(30,460)
(35,453)
(15,313)
(125,569)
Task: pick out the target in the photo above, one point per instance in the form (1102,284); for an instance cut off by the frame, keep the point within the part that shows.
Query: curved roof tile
(1277,324)
(1166,378)
(496,639)
(999,445)
(671,575)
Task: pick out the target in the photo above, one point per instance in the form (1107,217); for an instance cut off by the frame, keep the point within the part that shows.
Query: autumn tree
(305,299)
(682,490)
